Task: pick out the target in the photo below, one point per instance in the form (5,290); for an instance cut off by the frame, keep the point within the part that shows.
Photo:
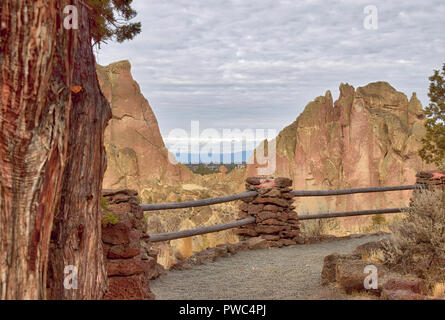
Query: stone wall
(431,179)
(272,208)
(130,263)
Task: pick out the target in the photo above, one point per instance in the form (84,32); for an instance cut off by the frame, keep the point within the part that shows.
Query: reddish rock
(235,247)
(270,229)
(129,288)
(243,206)
(253,181)
(401,295)
(134,145)
(276,244)
(274,222)
(116,234)
(288,242)
(274,193)
(245,232)
(257,243)
(277,201)
(265,215)
(273,208)
(255,208)
(328,273)
(283,182)
(270,237)
(123,251)
(128,267)
(290,234)
(350,274)
(397,284)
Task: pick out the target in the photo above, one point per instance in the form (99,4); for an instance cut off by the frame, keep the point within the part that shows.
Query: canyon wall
(368,137)
(136,153)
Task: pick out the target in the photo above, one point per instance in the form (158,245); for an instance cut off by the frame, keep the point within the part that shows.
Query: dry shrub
(418,245)
(318,227)
(439,290)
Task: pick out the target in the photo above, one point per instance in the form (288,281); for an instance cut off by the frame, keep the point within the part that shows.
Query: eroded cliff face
(136,153)
(368,137)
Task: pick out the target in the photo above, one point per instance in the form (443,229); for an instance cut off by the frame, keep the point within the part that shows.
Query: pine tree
(433,150)
(109,21)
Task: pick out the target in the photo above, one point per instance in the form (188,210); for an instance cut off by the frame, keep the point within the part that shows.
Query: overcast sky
(257,63)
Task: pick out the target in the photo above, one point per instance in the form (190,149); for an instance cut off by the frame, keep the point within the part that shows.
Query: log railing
(198,203)
(250,219)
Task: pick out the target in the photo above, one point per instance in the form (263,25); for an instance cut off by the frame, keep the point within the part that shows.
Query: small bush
(378,220)
(418,245)
(317,227)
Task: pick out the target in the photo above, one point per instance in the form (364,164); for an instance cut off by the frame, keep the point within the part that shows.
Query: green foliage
(203,170)
(104,204)
(109,218)
(433,150)
(110,20)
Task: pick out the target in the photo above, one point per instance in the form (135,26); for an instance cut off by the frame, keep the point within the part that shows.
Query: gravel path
(279,273)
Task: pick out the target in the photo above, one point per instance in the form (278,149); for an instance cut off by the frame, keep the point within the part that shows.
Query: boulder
(350,275)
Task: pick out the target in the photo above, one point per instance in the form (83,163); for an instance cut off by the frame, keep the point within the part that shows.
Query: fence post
(272,208)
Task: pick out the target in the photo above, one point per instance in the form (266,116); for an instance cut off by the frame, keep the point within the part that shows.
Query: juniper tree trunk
(51,153)
(36,62)
(76,239)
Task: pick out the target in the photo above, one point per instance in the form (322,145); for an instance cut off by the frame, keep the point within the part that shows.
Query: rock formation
(136,153)
(368,137)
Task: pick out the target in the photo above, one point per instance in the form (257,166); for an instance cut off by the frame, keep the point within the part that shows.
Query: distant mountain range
(223,158)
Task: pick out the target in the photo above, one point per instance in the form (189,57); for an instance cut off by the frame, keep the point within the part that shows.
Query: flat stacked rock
(129,260)
(431,179)
(275,221)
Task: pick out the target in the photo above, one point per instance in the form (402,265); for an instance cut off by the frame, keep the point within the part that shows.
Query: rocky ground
(279,273)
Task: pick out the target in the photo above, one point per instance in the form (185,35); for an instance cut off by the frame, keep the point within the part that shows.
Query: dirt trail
(278,273)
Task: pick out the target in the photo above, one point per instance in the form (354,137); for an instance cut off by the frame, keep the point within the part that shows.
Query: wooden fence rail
(350,213)
(323,193)
(234,224)
(238,223)
(198,203)
(203,230)
(314,193)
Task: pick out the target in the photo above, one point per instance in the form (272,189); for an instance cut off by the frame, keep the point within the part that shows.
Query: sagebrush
(418,245)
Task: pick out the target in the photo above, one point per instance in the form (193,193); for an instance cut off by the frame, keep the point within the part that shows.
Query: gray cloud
(256,64)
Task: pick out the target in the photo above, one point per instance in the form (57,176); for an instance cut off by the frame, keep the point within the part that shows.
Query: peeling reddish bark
(51,153)
(36,64)
(76,238)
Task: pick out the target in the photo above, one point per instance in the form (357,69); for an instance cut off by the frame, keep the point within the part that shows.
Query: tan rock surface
(135,150)
(368,137)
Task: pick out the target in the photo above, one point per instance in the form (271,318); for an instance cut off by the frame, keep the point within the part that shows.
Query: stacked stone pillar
(431,180)
(130,263)
(272,207)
